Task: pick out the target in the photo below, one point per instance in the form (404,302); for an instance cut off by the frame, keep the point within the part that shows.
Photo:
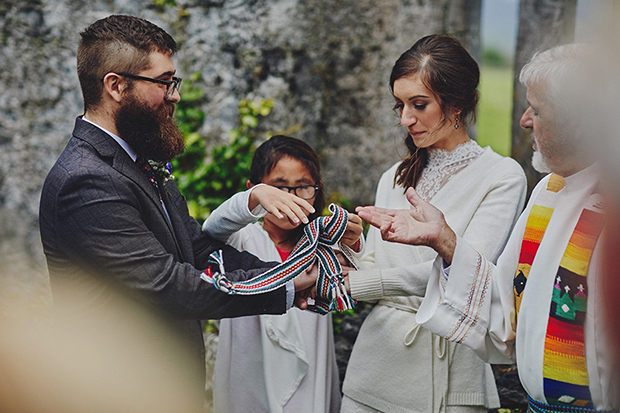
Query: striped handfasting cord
(319,238)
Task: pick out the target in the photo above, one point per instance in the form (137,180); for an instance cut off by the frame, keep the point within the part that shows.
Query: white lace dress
(443,165)
(397,366)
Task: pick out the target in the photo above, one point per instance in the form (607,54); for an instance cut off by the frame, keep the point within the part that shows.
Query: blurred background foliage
(208,178)
(494,120)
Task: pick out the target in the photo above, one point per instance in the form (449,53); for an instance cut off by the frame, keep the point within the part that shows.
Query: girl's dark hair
(452,74)
(269,153)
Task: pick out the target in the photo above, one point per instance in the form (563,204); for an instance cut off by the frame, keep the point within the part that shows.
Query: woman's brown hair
(452,74)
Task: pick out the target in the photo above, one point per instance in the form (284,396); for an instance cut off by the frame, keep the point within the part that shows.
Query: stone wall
(325,63)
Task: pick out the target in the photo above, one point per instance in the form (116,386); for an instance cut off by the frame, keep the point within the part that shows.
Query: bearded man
(111,220)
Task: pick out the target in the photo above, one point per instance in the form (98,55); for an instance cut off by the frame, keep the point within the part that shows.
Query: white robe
(478,299)
(270,363)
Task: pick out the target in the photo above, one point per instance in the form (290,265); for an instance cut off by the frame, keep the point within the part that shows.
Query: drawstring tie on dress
(439,346)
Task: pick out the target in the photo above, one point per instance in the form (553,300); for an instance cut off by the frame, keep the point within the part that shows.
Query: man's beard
(152,133)
(539,163)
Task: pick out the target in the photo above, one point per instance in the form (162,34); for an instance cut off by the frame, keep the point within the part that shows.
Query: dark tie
(148,172)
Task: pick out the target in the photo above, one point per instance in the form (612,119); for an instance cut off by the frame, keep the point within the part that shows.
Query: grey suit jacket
(103,227)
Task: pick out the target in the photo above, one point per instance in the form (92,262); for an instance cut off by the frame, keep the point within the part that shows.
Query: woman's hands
(280,203)
(353,232)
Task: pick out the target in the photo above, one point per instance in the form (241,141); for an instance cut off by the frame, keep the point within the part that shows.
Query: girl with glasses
(276,363)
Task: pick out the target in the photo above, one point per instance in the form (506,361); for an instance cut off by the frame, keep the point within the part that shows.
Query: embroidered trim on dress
(475,302)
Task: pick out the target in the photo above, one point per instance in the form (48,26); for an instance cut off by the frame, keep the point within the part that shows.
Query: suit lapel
(122,162)
(178,227)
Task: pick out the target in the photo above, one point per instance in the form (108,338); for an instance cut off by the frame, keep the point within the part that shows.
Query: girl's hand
(280,203)
(353,232)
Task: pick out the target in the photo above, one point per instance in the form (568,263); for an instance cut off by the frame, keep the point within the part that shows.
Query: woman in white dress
(276,363)
(396,365)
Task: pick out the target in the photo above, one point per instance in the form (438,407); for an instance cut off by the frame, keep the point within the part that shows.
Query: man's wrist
(446,244)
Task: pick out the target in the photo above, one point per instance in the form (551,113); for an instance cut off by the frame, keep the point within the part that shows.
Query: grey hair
(560,73)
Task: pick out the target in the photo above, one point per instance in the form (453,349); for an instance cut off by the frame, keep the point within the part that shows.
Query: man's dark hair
(117,44)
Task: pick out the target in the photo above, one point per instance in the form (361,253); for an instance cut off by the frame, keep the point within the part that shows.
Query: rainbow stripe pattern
(565,374)
(535,227)
(320,237)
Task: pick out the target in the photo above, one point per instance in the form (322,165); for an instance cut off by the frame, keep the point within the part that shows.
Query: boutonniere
(163,170)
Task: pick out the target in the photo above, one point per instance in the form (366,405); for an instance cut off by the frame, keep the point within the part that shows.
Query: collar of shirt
(131,153)
(118,139)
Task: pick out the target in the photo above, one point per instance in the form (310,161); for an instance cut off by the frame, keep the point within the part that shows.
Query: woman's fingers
(354,231)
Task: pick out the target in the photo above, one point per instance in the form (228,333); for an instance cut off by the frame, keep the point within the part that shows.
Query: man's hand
(423,224)
(305,286)
(280,203)
(301,297)
(353,232)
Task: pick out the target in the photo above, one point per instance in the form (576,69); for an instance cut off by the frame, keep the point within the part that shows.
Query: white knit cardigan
(396,366)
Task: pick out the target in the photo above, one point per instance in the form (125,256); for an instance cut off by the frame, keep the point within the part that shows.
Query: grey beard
(539,163)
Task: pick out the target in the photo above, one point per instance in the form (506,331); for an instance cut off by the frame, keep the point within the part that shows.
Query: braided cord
(319,238)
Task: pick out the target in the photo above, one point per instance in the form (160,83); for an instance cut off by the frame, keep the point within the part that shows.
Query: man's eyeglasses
(175,82)
(302,191)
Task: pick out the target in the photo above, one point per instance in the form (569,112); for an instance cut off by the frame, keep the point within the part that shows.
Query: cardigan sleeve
(231,216)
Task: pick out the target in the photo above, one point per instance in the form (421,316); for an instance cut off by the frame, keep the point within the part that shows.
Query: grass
(495,109)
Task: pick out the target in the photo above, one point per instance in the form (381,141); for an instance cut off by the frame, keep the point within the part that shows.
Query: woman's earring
(456,124)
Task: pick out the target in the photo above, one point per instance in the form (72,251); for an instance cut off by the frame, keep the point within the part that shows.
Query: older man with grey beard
(543,303)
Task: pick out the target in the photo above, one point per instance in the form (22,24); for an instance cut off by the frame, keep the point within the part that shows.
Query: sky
(500,17)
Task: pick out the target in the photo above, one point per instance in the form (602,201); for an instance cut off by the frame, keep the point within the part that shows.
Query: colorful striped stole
(565,374)
(317,243)
(535,227)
